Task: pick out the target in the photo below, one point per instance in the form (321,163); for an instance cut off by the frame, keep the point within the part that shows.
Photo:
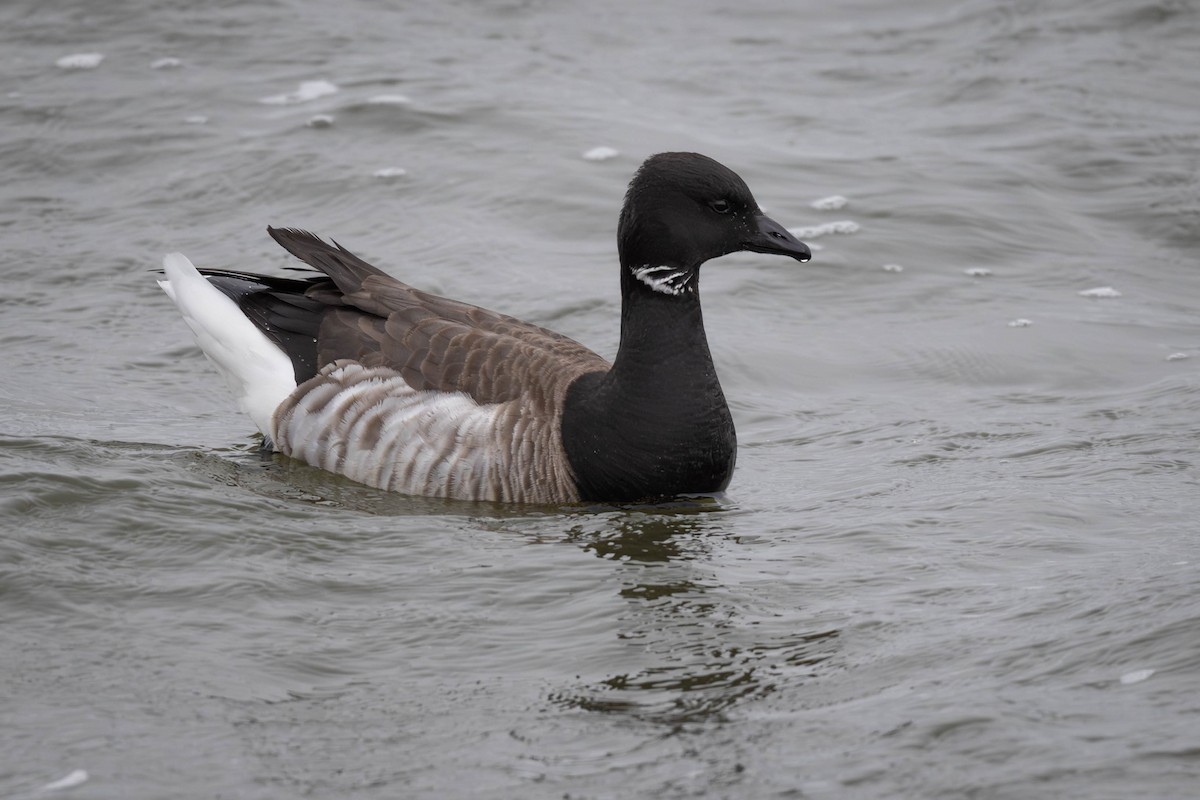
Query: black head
(683,209)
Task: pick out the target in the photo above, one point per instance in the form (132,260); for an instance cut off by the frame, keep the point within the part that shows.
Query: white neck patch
(666,280)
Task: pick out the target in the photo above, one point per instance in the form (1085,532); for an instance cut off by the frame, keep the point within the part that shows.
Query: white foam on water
(80,61)
(600,153)
(831,203)
(308,90)
(73,779)
(196,119)
(390,172)
(844,226)
(320,121)
(166,63)
(1177,356)
(388,100)
(1100,291)
(893,268)
(977,272)
(1137,676)
(1020,323)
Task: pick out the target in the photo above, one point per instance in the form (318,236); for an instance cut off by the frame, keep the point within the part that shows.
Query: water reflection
(696,638)
(694,646)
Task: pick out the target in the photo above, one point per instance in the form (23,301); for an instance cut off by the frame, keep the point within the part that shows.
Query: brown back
(434,342)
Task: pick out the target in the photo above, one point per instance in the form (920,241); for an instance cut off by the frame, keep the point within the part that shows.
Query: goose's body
(355,372)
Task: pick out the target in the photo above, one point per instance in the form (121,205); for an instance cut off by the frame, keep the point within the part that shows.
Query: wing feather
(432,341)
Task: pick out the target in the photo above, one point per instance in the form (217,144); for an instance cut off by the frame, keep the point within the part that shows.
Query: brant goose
(355,372)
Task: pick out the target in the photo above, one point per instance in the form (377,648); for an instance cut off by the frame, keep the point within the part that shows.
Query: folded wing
(434,343)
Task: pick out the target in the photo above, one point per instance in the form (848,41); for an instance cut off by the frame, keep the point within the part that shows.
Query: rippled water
(959,556)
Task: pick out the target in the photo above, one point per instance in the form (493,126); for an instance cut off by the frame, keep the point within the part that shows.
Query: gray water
(960,556)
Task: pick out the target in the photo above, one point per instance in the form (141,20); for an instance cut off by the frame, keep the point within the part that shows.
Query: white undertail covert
(258,372)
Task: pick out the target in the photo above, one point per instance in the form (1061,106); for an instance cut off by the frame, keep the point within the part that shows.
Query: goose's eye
(720,206)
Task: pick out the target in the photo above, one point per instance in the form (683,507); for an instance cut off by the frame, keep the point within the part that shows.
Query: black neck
(662,337)
(656,424)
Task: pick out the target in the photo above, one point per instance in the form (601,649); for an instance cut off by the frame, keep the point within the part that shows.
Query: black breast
(625,445)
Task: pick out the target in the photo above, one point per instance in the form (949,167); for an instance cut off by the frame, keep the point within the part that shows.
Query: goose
(355,372)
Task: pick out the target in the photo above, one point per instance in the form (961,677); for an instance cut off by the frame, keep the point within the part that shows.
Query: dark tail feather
(279,308)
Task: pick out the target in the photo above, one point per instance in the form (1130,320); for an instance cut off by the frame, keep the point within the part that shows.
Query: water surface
(959,555)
